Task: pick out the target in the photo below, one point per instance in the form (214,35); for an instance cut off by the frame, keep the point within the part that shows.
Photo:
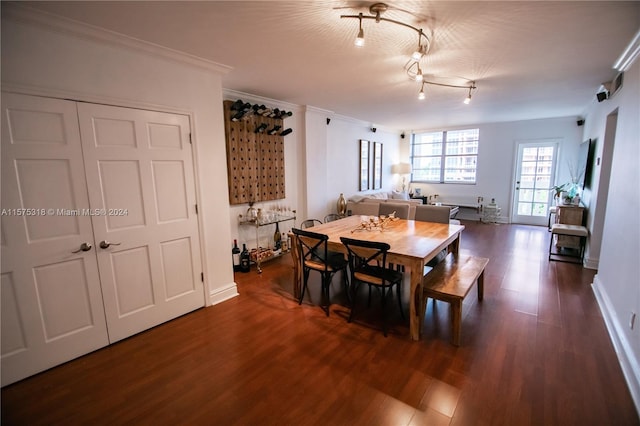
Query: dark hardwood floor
(534,352)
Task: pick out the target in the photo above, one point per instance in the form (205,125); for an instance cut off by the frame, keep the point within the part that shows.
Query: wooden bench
(450,281)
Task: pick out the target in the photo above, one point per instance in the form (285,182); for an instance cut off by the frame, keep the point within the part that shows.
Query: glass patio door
(535,171)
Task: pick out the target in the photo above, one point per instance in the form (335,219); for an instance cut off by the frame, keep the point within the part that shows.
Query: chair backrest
(312,248)
(331,217)
(428,213)
(401,210)
(309,223)
(362,253)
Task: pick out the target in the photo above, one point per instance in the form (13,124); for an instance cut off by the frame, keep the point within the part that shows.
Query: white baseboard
(221,294)
(591,263)
(628,362)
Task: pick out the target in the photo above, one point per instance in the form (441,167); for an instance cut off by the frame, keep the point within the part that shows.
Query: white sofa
(369,204)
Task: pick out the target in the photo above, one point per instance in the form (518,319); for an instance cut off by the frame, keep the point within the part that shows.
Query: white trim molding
(629,55)
(628,362)
(21,13)
(220,294)
(591,263)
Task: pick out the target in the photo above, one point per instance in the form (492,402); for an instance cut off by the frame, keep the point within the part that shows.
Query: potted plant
(558,189)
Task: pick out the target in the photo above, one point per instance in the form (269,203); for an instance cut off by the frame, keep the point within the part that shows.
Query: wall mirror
(364,165)
(377,165)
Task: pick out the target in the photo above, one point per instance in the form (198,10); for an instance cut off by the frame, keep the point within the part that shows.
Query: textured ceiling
(529,59)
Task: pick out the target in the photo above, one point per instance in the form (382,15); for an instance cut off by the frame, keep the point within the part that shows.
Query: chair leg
(347,289)
(326,301)
(354,290)
(305,279)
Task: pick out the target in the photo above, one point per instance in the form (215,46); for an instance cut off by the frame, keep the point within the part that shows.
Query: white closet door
(139,170)
(51,301)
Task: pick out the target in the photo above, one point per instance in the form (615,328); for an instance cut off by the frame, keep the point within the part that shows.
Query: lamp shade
(401,169)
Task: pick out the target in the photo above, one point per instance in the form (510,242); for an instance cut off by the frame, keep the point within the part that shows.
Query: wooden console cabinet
(569,215)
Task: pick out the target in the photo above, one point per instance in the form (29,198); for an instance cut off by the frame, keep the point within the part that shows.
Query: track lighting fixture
(360,38)
(467,100)
(412,67)
(419,76)
(471,86)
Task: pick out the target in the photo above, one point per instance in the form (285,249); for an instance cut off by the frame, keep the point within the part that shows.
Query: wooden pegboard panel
(255,160)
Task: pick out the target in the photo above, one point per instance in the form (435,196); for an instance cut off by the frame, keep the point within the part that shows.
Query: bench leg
(456,320)
(481,286)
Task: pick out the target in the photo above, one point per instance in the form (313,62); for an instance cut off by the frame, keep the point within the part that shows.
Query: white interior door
(139,170)
(535,171)
(51,300)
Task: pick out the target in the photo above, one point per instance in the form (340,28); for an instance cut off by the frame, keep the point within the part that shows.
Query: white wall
(73,62)
(497,157)
(343,146)
(617,284)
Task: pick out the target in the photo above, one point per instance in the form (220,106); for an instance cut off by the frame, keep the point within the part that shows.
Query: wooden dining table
(413,244)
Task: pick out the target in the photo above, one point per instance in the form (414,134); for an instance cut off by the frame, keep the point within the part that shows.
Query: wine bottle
(283,243)
(261,109)
(275,113)
(274,130)
(235,253)
(238,115)
(284,114)
(245,259)
(237,105)
(286,132)
(261,128)
(277,239)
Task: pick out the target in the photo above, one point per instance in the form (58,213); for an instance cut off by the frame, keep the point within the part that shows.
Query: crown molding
(232,94)
(20,13)
(629,55)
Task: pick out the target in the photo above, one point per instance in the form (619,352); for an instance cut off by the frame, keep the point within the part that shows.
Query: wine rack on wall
(255,152)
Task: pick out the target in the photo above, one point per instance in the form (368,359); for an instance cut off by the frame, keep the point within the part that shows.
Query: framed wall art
(364,165)
(377,165)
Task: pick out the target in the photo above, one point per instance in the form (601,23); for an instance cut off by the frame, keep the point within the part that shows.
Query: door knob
(105,244)
(83,247)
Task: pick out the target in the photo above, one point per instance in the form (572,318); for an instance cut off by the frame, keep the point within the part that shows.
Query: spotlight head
(328,121)
(602,96)
(360,38)
(580,122)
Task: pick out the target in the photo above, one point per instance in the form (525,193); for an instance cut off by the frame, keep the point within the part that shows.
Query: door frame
(521,144)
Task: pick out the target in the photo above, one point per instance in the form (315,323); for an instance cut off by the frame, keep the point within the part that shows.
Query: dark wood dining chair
(314,255)
(310,223)
(331,217)
(368,265)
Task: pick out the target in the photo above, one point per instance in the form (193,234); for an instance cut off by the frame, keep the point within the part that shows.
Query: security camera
(602,96)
